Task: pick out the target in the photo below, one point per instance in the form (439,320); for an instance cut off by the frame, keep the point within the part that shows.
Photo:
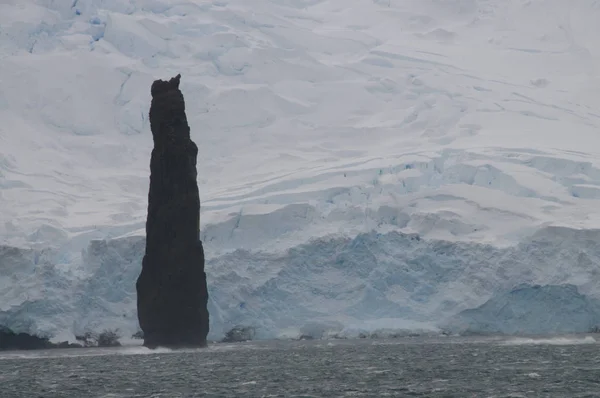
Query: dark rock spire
(171,290)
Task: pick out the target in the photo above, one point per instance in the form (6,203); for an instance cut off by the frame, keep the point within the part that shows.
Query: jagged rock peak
(163,86)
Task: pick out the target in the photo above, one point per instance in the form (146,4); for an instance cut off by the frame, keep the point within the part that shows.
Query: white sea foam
(550,341)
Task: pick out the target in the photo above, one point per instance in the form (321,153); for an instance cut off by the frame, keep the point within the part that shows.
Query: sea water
(406,367)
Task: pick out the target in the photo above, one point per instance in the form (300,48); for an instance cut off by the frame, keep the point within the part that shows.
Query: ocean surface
(406,367)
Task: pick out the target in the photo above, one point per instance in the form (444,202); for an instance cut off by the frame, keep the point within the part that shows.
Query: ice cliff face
(531,310)
(327,286)
(332,131)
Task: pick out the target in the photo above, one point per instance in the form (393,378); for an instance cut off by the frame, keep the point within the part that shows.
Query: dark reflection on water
(457,367)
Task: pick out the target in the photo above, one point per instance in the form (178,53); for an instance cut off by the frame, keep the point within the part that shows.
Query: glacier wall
(531,310)
(329,285)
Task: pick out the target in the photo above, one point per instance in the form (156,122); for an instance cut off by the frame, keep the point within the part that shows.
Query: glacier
(363,165)
(531,310)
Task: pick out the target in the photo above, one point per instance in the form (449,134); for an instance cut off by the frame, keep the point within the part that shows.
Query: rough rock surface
(172,294)
(24,341)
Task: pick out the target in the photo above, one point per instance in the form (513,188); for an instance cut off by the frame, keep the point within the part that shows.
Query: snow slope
(473,123)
